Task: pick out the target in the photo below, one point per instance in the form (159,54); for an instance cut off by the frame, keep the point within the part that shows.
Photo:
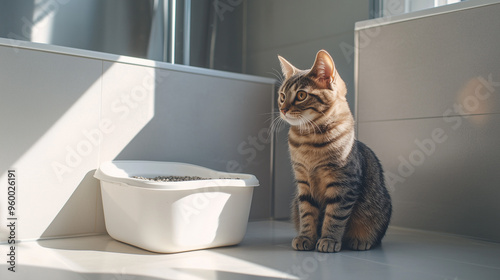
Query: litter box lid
(123,171)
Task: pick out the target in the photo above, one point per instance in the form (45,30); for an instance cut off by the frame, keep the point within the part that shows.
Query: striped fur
(341,199)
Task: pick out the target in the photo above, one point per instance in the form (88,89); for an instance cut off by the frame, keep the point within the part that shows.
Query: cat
(341,200)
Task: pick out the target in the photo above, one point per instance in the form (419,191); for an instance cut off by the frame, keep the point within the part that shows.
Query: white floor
(265,253)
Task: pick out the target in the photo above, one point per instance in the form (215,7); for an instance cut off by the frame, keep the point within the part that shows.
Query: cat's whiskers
(300,124)
(277,122)
(310,125)
(278,75)
(275,126)
(304,122)
(269,114)
(315,126)
(272,117)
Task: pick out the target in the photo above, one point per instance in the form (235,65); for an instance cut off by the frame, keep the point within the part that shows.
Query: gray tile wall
(428,104)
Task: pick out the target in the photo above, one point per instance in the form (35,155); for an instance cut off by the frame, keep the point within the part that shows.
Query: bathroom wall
(297,30)
(428,105)
(63,111)
(113,26)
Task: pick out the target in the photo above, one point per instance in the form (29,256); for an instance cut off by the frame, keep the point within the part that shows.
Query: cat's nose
(284,110)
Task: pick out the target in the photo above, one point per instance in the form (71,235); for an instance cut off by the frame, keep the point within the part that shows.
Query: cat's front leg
(333,228)
(308,216)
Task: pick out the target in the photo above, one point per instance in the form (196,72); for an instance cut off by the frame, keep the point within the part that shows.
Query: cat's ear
(287,68)
(323,69)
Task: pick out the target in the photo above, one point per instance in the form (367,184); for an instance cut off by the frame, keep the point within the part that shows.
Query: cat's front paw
(359,245)
(328,245)
(303,243)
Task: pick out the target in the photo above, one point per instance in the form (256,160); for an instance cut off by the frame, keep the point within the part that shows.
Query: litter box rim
(121,171)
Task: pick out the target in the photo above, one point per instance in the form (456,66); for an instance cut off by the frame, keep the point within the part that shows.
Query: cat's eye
(282,97)
(301,95)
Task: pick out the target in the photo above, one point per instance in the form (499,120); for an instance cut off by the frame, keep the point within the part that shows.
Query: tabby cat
(341,200)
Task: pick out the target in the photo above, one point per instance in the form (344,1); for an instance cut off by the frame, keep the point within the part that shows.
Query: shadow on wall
(85,111)
(79,208)
(53,102)
(46,132)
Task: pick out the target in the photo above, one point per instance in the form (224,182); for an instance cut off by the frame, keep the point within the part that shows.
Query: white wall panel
(418,68)
(427,103)
(48,101)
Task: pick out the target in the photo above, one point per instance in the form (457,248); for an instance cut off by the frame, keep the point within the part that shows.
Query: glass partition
(200,33)
(384,8)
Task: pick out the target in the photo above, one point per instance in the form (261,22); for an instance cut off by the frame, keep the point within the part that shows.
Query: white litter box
(170,217)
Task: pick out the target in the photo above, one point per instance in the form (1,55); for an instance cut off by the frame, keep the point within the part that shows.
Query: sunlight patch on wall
(96,127)
(54,166)
(128,104)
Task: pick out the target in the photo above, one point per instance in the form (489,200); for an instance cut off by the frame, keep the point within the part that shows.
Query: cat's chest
(307,157)
(309,150)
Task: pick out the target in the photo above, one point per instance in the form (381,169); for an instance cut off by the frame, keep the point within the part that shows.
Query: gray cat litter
(176,178)
(172,178)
